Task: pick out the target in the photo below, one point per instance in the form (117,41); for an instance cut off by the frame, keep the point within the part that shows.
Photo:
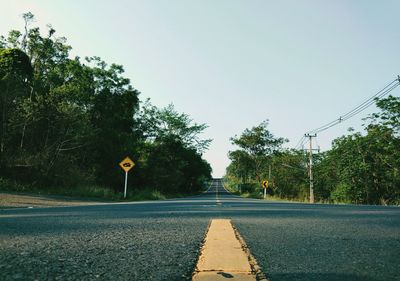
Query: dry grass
(14,200)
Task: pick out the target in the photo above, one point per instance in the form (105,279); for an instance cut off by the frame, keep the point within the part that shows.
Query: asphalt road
(160,240)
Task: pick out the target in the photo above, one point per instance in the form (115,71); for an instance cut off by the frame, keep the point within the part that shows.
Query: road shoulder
(9,200)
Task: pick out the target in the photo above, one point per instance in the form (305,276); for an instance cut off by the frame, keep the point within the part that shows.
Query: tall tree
(167,122)
(366,166)
(174,147)
(114,106)
(15,77)
(67,121)
(259,144)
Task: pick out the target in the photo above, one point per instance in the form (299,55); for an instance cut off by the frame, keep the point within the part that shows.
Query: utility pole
(310,167)
(269,172)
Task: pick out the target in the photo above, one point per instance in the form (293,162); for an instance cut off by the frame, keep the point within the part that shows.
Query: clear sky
(234,63)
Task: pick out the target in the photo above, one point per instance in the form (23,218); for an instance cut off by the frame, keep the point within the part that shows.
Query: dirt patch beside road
(15,200)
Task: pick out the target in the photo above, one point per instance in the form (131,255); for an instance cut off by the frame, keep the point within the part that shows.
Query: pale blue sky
(232,64)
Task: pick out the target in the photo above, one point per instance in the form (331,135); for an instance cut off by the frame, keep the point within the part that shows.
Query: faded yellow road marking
(222,256)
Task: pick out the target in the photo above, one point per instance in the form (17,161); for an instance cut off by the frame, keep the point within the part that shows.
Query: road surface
(160,240)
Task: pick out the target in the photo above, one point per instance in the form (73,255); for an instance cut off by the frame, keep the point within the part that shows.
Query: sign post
(265,186)
(126,184)
(126,165)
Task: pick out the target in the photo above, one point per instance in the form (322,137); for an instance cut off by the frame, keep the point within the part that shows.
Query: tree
(259,144)
(364,168)
(173,159)
(289,177)
(241,166)
(113,107)
(67,122)
(167,122)
(15,78)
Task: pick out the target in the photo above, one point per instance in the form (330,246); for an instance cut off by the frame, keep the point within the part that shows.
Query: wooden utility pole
(310,167)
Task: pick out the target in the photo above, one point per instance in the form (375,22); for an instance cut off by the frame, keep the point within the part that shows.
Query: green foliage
(341,193)
(369,164)
(256,148)
(15,80)
(289,178)
(258,141)
(168,123)
(15,63)
(241,167)
(361,168)
(145,194)
(68,123)
(10,185)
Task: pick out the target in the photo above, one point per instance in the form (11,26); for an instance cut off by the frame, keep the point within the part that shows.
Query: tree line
(361,167)
(68,121)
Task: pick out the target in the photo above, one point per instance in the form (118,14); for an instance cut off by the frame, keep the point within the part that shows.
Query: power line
(313,134)
(361,107)
(386,90)
(301,142)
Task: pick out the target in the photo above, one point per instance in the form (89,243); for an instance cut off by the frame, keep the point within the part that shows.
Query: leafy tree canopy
(69,121)
(166,122)
(258,141)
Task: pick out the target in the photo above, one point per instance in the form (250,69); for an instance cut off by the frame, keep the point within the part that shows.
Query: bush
(341,194)
(10,185)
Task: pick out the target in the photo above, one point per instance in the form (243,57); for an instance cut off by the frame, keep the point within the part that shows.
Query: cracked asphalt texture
(160,240)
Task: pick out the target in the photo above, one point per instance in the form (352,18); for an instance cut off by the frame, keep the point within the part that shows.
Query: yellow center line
(223,255)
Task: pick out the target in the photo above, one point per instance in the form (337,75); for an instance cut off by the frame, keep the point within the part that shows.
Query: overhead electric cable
(386,90)
(300,143)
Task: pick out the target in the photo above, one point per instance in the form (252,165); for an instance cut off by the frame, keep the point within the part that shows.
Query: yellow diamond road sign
(265,184)
(127,164)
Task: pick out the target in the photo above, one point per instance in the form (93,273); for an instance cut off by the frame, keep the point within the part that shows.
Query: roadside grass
(231,190)
(144,194)
(88,192)
(280,199)
(83,191)
(258,194)
(255,194)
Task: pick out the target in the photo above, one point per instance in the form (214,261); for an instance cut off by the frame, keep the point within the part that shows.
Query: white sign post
(126,184)
(265,186)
